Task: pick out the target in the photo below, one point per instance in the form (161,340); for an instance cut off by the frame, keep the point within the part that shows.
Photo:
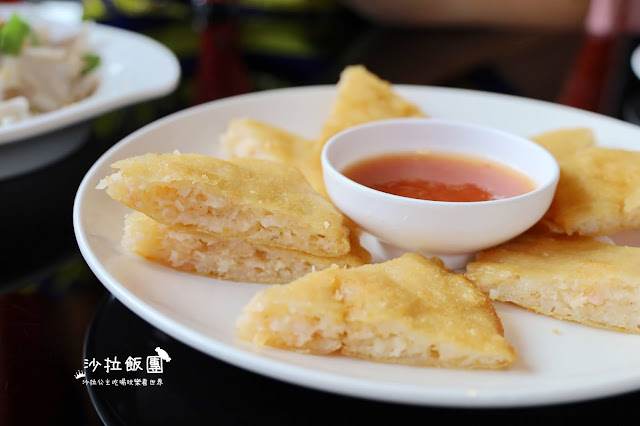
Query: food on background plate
(234,260)
(599,188)
(410,310)
(259,201)
(575,278)
(43,69)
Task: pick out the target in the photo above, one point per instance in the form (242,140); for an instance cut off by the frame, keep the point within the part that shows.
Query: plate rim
(635,61)
(92,106)
(572,391)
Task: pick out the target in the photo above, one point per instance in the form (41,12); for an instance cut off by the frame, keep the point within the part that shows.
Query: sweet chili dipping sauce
(439,177)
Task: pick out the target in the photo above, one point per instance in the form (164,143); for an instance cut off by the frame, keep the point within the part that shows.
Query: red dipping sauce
(440,177)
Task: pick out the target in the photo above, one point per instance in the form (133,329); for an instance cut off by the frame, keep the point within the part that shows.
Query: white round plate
(133,68)
(635,61)
(559,361)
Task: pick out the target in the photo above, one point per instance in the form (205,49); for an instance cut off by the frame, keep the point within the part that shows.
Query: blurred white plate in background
(133,68)
(635,61)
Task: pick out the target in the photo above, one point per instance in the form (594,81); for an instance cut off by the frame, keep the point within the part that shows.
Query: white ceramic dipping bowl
(438,227)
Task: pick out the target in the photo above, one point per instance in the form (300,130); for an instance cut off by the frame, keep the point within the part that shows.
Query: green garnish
(12,35)
(92,61)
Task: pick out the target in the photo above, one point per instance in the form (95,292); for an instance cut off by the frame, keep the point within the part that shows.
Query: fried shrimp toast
(234,260)
(260,201)
(563,144)
(569,277)
(599,188)
(598,193)
(410,310)
(364,97)
(245,138)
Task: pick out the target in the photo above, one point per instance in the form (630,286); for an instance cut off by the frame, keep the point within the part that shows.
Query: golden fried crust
(563,144)
(233,260)
(598,193)
(363,97)
(599,188)
(569,277)
(261,201)
(409,310)
(245,138)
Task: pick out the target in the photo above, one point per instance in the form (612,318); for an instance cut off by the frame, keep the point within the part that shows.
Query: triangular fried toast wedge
(565,143)
(364,97)
(233,260)
(261,201)
(569,277)
(246,138)
(410,310)
(599,188)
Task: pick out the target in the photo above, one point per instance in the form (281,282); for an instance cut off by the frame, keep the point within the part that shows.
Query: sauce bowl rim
(327,165)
